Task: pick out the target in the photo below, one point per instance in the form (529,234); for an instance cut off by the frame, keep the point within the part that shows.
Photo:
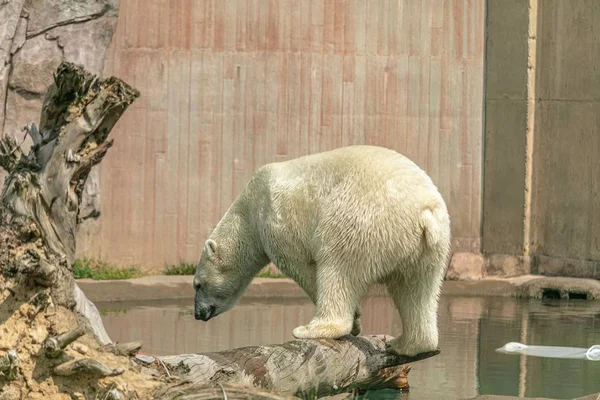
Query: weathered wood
(8,364)
(124,349)
(55,346)
(194,391)
(42,310)
(320,367)
(86,366)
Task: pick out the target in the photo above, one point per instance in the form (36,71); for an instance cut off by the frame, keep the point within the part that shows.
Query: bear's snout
(204,313)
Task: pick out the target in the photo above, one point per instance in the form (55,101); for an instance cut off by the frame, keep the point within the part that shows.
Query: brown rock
(9,15)
(47,14)
(466,266)
(86,44)
(20,35)
(20,110)
(505,265)
(34,65)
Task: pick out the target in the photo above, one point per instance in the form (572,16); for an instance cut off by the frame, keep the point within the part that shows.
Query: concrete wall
(229,86)
(542,170)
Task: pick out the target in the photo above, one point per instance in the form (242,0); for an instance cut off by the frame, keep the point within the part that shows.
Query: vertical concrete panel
(504,173)
(505,126)
(565,219)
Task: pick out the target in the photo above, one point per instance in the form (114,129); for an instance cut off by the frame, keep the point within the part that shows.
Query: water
(471,328)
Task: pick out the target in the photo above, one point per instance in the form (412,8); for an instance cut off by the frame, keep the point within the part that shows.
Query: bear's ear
(211,248)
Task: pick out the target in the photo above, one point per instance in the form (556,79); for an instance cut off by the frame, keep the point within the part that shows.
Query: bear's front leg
(338,312)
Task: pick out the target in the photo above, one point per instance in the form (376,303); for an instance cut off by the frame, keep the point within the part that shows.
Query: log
(195,391)
(52,340)
(299,367)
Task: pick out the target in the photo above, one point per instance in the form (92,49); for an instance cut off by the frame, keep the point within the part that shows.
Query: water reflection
(471,328)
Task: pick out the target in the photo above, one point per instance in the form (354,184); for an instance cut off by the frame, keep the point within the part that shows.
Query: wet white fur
(337,223)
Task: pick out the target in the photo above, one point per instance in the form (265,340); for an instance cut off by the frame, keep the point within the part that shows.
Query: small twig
(18,146)
(124,349)
(9,363)
(32,131)
(41,301)
(165,367)
(86,366)
(54,346)
(223,390)
(10,153)
(113,394)
(93,214)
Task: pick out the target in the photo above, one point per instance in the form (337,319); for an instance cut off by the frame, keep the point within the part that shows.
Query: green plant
(182,268)
(269,273)
(88,268)
(108,311)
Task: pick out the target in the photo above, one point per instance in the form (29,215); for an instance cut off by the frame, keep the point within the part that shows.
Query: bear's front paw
(302,332)
(328,330)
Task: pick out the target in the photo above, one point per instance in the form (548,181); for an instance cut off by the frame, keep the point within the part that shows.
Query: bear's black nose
(204,313)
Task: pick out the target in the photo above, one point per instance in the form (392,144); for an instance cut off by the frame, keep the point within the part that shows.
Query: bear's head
(213,283)
(231,257)
(225,270)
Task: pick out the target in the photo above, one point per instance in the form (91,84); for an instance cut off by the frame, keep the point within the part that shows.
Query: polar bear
(336,222)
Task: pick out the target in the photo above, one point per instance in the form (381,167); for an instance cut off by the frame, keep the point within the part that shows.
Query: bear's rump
(372,227)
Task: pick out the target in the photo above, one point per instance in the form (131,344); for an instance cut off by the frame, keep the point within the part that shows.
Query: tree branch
(55,345)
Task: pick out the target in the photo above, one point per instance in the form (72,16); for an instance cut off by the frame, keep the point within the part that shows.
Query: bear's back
(364,166)
(354,195)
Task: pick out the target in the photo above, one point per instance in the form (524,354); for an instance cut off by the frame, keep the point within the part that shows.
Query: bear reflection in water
(336,222)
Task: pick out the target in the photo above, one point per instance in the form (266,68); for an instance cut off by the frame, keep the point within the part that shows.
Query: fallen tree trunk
(307,367)
(52,340)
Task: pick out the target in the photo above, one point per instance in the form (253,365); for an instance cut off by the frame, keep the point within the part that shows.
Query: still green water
(471,328)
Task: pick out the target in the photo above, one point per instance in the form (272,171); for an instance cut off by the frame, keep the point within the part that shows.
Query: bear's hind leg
(338,310)
(416,299)
(356,325)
